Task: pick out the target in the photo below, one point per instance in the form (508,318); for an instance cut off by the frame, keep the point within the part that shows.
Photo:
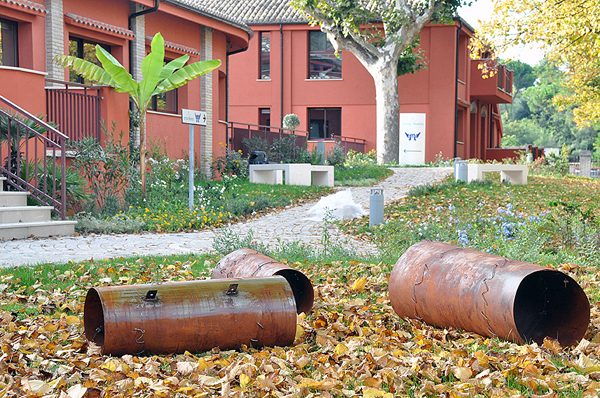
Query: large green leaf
(152,67)
(123,82)
(86,69)
(172,66)
(185,74)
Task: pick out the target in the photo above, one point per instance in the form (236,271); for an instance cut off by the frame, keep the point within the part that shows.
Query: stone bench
(513,173)
(295,174)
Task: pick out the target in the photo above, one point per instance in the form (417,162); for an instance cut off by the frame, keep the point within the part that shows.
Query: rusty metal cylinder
(450,286)
(191,316)
(244,263)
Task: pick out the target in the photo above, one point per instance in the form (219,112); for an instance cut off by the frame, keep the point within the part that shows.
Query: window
(323,63)
(8,43)
(264,116)
(165,102)
(86,50)
(324,122)
(265,55)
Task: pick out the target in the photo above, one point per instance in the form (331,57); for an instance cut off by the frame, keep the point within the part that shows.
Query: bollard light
(376,207)
(461,170)
(456,160)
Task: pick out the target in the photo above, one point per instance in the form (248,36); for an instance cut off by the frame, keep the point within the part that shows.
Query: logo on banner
(412,137)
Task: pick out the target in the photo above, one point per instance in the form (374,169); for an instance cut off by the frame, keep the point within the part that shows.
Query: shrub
(336,155)
(119,223)
(285,150)
(258,144)
(359,159)
(108,170)
(77,197)
(231,164)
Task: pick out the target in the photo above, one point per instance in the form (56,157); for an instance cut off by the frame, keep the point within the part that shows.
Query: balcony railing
(75,108)
(505,79)
(240,131)
(494,85)
(32,156)
(350,143)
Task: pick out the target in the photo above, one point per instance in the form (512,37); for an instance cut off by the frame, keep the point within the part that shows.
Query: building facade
(34,33)
(448,108)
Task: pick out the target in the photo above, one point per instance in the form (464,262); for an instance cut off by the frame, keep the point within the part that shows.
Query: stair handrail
(52,139)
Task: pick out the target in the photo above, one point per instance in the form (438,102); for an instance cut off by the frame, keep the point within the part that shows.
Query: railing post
(63,178)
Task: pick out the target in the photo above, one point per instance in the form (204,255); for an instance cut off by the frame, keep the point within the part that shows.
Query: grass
(166,208)
(360,175)
(351,343)
(549,220)
(129,270)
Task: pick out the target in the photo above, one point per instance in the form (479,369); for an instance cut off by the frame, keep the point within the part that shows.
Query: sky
(481,10)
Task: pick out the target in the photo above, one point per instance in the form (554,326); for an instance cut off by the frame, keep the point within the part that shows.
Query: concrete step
(36,229)
(20,214)
(13,198)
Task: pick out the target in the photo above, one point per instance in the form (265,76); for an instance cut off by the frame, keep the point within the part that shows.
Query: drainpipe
(281,74)
(131,18)
(144,12)
(456,88)
(491,125)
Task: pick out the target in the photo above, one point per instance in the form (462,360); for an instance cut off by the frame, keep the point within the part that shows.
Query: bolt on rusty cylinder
(191,316)
(244,263)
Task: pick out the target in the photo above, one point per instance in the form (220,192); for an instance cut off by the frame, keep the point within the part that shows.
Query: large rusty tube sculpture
(244,263)
(450,286)
(192,315)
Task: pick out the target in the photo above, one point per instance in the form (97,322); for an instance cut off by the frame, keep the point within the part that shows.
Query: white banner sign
(412,138)
(189,116)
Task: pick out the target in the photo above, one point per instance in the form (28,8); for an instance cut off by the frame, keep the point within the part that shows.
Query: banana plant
(157,78)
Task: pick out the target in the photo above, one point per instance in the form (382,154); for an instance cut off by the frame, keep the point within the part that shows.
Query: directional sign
(189,116)
(412,138)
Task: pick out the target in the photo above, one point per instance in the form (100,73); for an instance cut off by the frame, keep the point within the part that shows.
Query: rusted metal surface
(247,262)
(450,286)
(193,316)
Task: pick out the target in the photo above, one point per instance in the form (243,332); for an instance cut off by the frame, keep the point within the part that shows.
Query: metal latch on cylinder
(232,289)
(151,296)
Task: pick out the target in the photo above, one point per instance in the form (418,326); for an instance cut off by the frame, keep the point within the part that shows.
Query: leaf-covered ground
(351,344)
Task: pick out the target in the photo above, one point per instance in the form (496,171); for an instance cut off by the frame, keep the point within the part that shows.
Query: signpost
(412,138)
(192,118)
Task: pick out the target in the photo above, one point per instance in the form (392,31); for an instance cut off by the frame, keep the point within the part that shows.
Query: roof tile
(250,12)
(27,4)
(98,24)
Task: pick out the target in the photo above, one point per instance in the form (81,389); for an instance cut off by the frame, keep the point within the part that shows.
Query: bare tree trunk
(143,153)
(388,108)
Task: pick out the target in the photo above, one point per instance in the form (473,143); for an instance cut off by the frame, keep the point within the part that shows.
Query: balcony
(496,87)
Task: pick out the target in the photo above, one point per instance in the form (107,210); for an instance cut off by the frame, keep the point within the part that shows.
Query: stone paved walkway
(286,225)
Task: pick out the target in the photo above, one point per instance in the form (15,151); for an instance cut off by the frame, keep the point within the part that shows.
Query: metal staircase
(32,157)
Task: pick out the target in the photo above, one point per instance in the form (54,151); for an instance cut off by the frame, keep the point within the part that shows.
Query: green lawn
(351,343)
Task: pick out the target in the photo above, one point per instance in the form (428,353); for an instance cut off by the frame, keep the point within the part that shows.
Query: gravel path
(286,225)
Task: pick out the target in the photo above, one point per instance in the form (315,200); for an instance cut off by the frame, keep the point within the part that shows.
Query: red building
(32,34)
(290,67)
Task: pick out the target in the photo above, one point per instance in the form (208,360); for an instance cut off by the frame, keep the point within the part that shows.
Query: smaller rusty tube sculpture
(449,286)
(192,315)
(245,263)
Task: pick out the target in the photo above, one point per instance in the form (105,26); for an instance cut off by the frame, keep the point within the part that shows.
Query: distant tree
(523,74)
(379,33)
(569,33)
(534,118)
